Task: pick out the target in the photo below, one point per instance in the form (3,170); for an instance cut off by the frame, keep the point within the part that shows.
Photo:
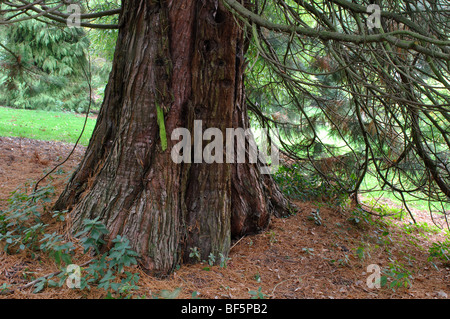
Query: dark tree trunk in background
(184,59)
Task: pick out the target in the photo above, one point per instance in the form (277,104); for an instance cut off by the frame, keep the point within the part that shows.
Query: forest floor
(296,258)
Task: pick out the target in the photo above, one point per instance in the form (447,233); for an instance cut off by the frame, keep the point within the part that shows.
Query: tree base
(174,64)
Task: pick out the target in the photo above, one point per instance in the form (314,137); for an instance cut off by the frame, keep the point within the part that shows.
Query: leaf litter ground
(296,258)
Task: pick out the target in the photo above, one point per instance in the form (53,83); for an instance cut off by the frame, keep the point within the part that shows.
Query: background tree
(46,65)
(41,64)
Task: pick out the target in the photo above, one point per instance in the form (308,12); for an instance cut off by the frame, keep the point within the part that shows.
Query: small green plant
(4,288)
(54,245)
(309,251)
(125,290)
(211,259)
(344,261)
(362,253)
(40,285)
(396,276)
(257,294)
(223,260)
(167,294)
(341,262)
(195,253)
(195,295)
(107,272)
(441,251)
(272,237)
(122,289)
(315,217)
(121,255)
(21,223)
(59,216)
(23,228)
(95,231)
(359,217)
(44,282)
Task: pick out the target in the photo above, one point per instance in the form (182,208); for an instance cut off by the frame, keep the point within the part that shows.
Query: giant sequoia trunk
(175,62)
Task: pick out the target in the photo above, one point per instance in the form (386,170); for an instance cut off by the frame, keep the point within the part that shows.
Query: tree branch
(343,37)
(53,14)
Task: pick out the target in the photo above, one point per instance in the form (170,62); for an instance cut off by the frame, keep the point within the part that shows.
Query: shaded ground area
(25,160)
(322,252)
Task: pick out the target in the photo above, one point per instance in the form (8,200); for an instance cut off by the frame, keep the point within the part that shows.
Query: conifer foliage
(44,67)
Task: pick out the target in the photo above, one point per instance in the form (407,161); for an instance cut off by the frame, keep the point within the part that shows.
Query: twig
(32,283)
(237,242)
(273,290)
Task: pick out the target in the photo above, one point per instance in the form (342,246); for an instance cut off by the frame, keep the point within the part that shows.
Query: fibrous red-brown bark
(186,58)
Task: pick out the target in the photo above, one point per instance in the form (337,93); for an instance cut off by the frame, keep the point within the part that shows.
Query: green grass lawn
(421,203)
(45,125)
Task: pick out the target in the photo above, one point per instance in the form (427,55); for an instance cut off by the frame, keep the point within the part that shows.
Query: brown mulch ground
(25,161)
(293,259)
